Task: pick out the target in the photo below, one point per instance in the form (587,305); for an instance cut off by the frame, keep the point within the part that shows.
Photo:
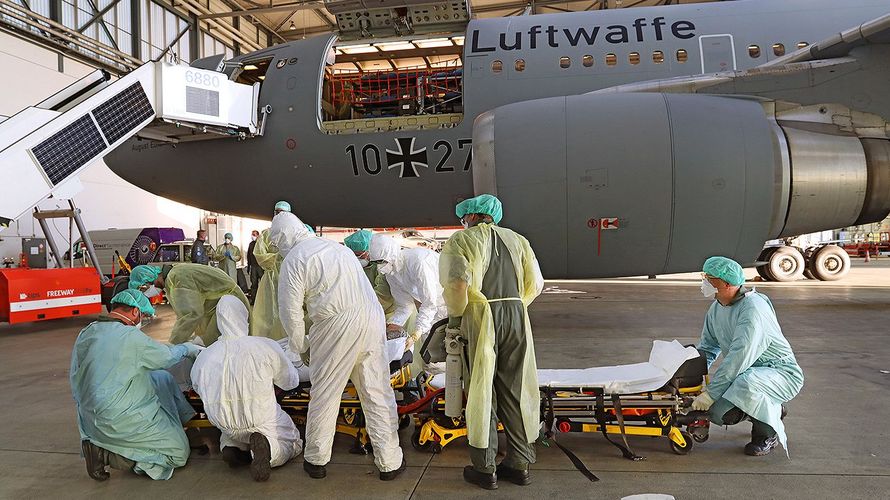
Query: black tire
(682,450)
(830,263)
(763,270)
(415,442)
(404,421)
(120,284)
(786,264)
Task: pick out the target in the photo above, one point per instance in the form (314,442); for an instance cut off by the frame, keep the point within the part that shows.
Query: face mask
(707,289)
(364,262)
(385,268)
(253,238)
(228,241)
(151,291)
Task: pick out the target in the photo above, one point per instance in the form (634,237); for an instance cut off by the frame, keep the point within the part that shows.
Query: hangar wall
(32,74)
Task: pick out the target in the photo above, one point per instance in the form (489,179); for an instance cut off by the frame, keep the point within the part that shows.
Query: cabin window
(611,59)
(565,62)
(634,58)
(754,51)
(682,56)
(801,45)
(778,49)
(519,65)
(587,61)
(497,66)
(658,57)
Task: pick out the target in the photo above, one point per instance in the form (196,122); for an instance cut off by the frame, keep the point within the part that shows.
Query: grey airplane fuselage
(414,178)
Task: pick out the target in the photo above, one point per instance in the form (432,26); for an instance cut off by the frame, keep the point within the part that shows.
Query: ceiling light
(386,47)
(358,49)
(251,67)
(262,77)
(434,42)
(292,26)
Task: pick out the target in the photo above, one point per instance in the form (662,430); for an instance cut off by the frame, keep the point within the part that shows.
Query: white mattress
(664,360)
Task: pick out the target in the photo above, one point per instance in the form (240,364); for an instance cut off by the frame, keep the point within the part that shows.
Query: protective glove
(228,254)
(192,350)
(412,338)
(452,332)
(702,402)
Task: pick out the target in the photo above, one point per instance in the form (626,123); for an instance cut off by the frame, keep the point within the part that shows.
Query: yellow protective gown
(229,263)
(462,266)
(265,321)
(193,291)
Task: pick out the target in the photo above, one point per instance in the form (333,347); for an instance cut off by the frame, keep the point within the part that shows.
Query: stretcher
(641,399)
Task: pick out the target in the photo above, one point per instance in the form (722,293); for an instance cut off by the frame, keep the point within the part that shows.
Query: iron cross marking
(407,157)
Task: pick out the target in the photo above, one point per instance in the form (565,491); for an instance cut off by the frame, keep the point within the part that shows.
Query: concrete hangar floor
(837,426)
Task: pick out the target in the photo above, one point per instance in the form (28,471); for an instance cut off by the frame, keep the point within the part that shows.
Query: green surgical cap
(142,275)
(726,269)
(359,241)
(228,236)
(482,204)
(282,205)
(134,298)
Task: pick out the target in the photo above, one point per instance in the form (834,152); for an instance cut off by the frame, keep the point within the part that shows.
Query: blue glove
(192,350)
(228,254)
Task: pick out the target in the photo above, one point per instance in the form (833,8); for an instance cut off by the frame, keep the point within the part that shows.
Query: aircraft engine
(645,183)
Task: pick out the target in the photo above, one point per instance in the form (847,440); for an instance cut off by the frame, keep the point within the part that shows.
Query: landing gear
(788,263)
(829,263)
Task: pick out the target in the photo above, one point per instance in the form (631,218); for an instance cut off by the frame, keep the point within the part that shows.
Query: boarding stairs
(45,146)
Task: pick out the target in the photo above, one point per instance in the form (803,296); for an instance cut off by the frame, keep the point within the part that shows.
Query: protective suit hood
(287,230)
(231,318)
(385,248)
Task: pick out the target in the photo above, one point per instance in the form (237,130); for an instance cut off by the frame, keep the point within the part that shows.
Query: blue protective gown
(758,372)
(126,403)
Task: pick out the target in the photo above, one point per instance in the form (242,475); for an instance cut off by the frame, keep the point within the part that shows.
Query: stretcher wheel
(682,450)
(404,420)
(415,442)
(700,435)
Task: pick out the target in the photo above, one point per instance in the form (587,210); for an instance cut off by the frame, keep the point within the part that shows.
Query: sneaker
(315,471)
(390,475)
(260,468)
(95,459)
(480,479)
(759,447)
(235,457)
(515,476)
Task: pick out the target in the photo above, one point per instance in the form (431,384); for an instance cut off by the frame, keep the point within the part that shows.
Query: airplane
(626,142)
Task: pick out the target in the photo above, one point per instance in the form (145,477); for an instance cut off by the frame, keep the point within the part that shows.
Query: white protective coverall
(413,277)
(234,378)
(346,338)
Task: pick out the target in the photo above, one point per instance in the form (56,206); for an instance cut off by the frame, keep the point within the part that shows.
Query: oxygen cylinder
(454,396)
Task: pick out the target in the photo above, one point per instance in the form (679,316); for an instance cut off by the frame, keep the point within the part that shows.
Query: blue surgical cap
(134,298)
(726,269)
(282,205)
(359,241)
(482,204)
(141,275)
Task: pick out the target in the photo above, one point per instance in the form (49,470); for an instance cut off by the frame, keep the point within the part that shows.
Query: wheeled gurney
(642,399)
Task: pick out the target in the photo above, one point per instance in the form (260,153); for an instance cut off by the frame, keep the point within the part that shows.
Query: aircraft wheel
(763,270)
(786,264)
(830,263)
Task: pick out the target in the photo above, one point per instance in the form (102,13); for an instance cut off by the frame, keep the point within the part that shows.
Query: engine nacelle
(686,177)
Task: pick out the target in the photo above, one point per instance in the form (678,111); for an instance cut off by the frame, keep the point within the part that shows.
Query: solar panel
(69,149)
(124,112)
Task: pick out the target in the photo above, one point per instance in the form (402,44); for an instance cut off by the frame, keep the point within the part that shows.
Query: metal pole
(49,239)
(88,243)
(71,242)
